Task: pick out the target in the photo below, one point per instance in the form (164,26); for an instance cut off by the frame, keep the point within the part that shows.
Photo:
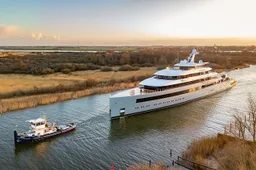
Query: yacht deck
(137,91)
(178,72)
(155,82)
(130,92)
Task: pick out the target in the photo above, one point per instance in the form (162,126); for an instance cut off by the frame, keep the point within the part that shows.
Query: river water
(99,143)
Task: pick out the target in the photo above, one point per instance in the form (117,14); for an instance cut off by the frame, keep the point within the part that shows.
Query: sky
(127,22)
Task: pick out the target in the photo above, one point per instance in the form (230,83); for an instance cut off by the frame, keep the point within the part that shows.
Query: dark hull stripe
(20,140)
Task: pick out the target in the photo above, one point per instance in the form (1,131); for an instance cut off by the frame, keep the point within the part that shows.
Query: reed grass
(18,86)
(20,92)
(223,153)
(18,103)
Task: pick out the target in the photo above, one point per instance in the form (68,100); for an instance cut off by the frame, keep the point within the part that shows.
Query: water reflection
(181,118)
(38,150)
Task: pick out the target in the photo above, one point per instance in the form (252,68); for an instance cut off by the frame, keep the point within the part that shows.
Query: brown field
(17,103)
(15,82)
(41,90)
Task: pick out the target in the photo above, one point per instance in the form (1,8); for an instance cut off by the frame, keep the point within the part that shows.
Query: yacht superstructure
(185,82)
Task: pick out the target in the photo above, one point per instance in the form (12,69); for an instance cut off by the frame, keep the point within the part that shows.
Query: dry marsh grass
(18,103)
(11,83)
(223,153)
(237,155)
(26,91)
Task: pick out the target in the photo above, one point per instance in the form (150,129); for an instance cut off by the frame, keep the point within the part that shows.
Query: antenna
(178,54)
(192,55)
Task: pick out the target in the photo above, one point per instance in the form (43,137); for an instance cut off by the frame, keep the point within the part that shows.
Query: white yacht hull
(127,105)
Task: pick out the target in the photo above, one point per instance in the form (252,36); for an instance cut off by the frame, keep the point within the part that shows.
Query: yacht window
(180,77)
(177,85)
(162,96)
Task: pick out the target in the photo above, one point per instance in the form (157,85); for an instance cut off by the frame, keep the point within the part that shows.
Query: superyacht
(185,82)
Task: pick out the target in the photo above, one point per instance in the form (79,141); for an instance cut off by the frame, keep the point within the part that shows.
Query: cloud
(9,30)
(12,32)
(41,36)
(37,36)
(56,37)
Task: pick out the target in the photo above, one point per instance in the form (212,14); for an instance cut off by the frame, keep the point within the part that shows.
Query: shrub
(68,66)
(47,71)
(79,67)
(147,65)
(91,66)
(66,71)
(128,68)
(21,64)
(105,69)
(112,82)
(161,68)
(136,65)
(91,82)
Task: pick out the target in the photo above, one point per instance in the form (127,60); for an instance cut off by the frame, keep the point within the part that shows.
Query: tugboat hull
(20,139)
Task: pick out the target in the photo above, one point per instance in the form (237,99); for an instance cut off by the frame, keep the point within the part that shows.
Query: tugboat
(40,130)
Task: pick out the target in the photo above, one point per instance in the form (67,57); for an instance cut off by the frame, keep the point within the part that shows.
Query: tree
(251,122)
(125,59)
(246,123)
(109,58)
(240,127)
(162,60)
(21,64)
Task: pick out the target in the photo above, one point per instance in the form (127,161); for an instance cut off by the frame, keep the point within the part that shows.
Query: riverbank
(19,85)
(222,152)
(27,91)
(18,103)
(235,149)
(142,138)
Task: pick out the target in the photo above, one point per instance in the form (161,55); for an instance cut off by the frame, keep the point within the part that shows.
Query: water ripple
(99,143)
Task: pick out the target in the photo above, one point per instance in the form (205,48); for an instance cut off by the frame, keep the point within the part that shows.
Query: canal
(99,143)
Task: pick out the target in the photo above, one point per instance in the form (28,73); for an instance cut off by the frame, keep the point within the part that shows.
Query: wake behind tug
(40,130)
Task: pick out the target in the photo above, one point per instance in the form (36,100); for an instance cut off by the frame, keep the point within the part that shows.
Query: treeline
(47,63)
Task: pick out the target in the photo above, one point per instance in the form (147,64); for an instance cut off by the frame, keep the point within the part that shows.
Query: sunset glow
(127,22)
